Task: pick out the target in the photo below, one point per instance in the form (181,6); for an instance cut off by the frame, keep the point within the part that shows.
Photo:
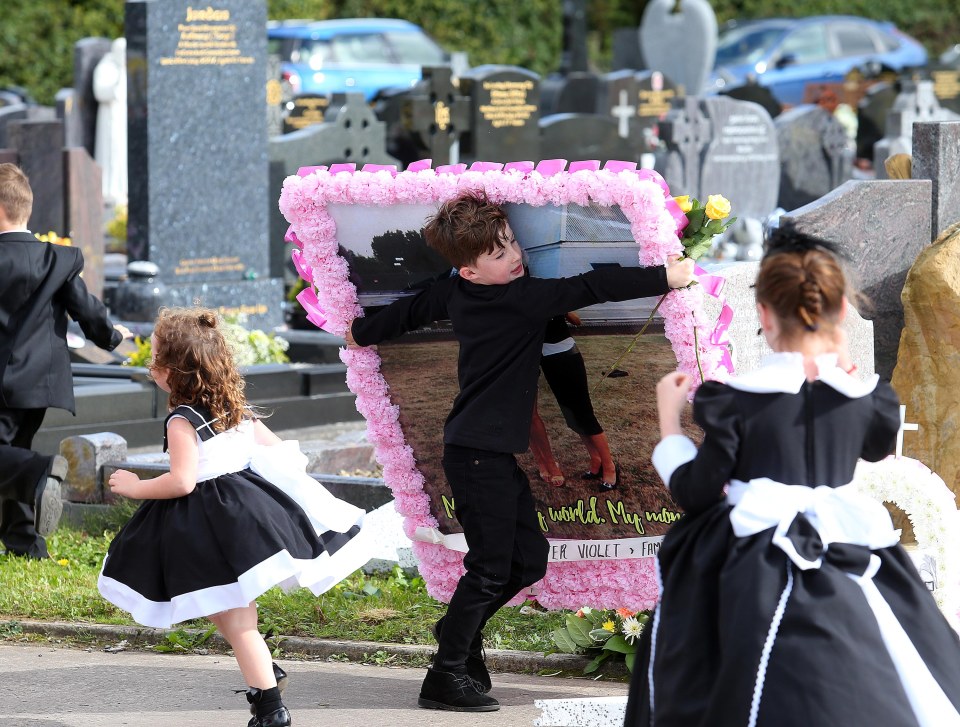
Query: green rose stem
(696,351)
(633,342)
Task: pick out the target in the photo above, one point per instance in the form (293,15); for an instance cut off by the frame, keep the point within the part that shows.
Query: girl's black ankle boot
(270,711)
(282,680)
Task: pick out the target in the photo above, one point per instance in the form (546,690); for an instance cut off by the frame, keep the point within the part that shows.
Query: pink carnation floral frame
(331,303)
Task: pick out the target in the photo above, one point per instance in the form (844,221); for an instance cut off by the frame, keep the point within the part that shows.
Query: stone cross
(438,114)
(904,427)
(624,112)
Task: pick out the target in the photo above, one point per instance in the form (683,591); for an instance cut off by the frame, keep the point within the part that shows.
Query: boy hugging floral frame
(331,301)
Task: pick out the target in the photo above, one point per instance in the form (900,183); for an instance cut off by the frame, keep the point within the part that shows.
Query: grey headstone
(681,44)
(8,114)
(626,50)
(84,213)
(742,160)
(936,156)
(87,52)
(86,454)
(583,136)
(575,93)
(881,226)
(749,347)
(350,134)
(66,104)
(198,152)
(815,156)
(916,102)
(40,147)
(757,94)
(504,114)
(685,131)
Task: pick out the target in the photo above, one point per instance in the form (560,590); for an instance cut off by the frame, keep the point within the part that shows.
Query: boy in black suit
(499,316)
(41,286)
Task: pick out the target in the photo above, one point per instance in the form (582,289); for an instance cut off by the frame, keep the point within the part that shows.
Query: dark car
(363,54)
(787,54)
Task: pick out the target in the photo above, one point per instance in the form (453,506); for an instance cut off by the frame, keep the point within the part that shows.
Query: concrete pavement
(53,686)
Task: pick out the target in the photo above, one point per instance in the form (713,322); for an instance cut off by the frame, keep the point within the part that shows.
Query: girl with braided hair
(235,515)
(786,598)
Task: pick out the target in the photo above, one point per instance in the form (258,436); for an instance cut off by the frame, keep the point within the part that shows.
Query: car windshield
(415,48)
(747,44)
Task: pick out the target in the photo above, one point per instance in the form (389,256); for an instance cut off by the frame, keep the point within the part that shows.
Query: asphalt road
(52,686)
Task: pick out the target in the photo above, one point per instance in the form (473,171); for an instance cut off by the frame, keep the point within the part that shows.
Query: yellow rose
(717,207)
(684,203)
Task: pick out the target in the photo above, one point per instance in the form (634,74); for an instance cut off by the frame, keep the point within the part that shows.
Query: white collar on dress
(783,373)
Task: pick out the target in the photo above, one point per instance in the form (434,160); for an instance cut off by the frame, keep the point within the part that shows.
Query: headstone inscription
(308,109)
(915,102)
(351,133)
(504,114)
(656,95)
(814,155)
(198,154)
(680,39)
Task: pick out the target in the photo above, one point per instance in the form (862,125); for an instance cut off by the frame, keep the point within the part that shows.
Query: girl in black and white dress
(235,515)
(786,598)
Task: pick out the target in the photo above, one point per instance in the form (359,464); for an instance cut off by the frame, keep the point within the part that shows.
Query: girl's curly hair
(200,367)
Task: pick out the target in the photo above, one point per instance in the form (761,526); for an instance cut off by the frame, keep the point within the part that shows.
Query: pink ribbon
(590,165)
(452,169)
(615,165)
(315,314)
(524,167)
(291,237)
(549,167)
(337,168)
(420,165)
(380,168)
(679,216)
(713,286)
(303,270)
(307,171)
(486,167)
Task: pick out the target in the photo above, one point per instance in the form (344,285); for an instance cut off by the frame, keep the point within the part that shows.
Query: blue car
(364,54)
(787,54)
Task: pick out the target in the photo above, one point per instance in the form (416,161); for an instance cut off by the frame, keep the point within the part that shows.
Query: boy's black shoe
(454,691)
(48,502)
(476,661)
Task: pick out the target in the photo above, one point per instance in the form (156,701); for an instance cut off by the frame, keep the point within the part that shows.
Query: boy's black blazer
(40,285)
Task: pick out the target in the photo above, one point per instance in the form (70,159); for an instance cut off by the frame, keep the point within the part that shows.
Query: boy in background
(41,285)
(499,316)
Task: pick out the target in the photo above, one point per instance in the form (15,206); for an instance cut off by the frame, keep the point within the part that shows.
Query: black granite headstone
(307,109)
(504,114)
(436,115)
(9,114)
(814,155)
(39,145)
(198,153)
(67,114)
(583,136)
(575,93)
(656,95)
(626,50)
(755,93)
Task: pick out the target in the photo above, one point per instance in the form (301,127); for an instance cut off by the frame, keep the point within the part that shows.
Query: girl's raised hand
(672,391)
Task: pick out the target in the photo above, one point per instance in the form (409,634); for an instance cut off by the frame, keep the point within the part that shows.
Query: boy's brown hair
(465,227)
(16,197)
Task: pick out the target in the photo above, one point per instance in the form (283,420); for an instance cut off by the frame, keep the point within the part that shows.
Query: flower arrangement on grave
(55,239)
(602,635)
(117,227)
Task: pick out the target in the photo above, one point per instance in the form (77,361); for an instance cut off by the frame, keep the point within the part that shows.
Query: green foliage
(117,226)
(184,642)
(249,346)
(140,357)
(601,634)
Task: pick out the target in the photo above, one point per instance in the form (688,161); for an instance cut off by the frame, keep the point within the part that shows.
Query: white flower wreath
(932,510)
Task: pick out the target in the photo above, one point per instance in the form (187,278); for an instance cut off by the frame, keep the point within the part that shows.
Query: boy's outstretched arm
(679,272)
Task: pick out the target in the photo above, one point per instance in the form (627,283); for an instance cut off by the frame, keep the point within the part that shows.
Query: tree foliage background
(37,36)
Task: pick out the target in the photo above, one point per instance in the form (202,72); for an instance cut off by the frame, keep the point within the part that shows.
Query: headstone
(742,159)
(656,95)
(87,52)
(39,145)
(755,93)
(275,97)
(583,136)
(680,39)
(307,109)
(872,112)
(574,93)
(198,154)
(66,110)
(8,114)
(936,156)
(350,134)
(86,454)
(638,102)
(916,102)
(685,131)
(110,141)
(84,214)
(814,155)
(504,114)
(626,50)
(946,84)
(881,227)
(438,115)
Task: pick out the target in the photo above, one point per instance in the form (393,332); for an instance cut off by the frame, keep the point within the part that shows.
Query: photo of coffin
(567,240)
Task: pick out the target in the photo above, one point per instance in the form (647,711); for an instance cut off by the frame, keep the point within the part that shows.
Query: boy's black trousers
(507,550)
